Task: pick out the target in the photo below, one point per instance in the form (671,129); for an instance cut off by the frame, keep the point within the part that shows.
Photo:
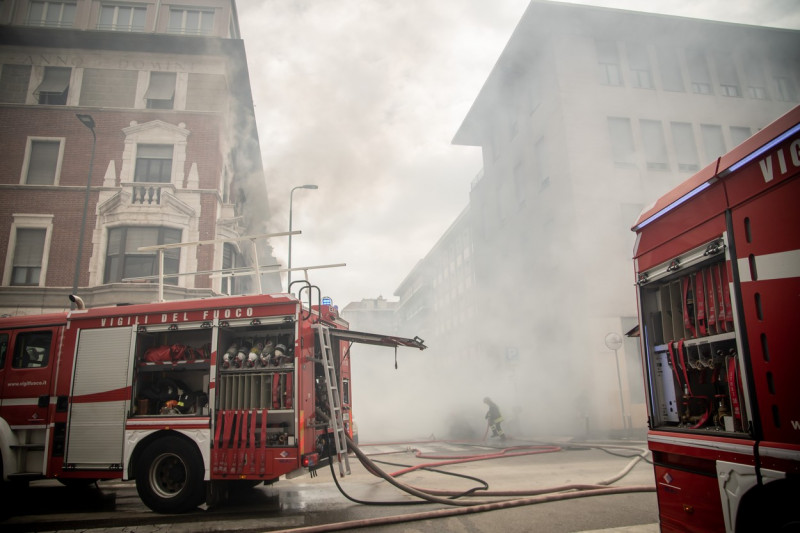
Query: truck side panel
(767,234)
(100,398)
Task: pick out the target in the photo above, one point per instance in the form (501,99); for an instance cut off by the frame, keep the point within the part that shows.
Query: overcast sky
(363,97)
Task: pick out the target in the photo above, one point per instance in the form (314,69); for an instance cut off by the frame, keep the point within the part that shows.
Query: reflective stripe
(781,265)
(705,444)
(16,402)
(199,421)
(779,453)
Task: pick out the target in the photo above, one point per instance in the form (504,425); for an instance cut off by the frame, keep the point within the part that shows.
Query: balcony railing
(147,193)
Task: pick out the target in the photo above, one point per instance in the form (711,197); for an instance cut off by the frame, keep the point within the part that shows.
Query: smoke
(362,99)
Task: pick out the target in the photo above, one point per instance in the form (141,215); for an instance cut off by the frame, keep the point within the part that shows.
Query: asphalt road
(305,502)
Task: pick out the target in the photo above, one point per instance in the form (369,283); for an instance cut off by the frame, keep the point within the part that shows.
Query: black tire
(169,476)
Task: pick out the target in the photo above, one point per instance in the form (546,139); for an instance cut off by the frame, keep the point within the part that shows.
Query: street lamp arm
(291,199)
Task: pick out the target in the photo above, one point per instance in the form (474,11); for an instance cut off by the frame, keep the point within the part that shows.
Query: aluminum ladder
(334,400)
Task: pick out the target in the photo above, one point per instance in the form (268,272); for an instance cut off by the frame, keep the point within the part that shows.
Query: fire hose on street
(462,507)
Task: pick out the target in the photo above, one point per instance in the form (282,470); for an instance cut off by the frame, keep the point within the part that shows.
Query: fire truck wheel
(169,476)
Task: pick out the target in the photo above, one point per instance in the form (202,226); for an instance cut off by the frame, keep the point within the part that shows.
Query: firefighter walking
(493,419)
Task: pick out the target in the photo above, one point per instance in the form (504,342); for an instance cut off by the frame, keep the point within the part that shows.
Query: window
(153,163)
(206,92)
(622,150)
(161,91)
(685,147)
(26,267)
(608,63)
(698,72)
(739,134)
(754,78)
(122,18)
(51,14)
(54,87)
(639,62)
(713,140)
(786,90)
(190,21)
(784,72)
(654,148)
(670,69)
(32,349)
(14,83)
(108,88)
(231,258)
(728,78)
(3,349)
(124,260)
(42,162)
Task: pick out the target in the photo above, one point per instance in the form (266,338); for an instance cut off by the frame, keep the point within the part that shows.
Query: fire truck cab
(189,398)
(717,263)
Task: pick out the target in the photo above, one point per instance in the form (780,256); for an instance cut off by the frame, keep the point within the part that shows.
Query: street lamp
(614,342)
(87,121)
(291,193)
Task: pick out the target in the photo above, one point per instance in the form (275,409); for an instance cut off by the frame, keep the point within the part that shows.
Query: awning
(162,86)
(376,339)
(56,80)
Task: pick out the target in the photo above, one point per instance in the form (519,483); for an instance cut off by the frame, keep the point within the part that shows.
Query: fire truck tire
(169,476)
(773,508)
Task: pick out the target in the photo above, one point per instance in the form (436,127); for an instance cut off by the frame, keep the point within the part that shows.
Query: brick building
(153,102)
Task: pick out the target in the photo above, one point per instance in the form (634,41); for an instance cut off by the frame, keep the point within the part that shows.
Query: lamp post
(291,193)
(87,121)
(614,342)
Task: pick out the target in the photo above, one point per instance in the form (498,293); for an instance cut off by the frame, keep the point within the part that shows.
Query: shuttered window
(28,254)
(42,162)
(108,88)
(206,92)
(54,88)
(14,81)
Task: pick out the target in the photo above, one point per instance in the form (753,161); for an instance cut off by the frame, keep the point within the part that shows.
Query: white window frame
(47,6)
(28,221)
(203,11)
(23,180)
(115,26)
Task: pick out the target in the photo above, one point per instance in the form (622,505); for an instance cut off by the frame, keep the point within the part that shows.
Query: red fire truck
(717,264)
(189,398)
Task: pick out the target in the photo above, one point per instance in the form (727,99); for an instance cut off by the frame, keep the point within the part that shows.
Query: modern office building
(588,116)
(125,126)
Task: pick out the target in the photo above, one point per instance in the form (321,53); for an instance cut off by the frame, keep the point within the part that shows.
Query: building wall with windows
(165,87)
(589,115)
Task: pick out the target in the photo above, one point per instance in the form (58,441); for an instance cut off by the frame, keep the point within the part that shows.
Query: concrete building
(588,115)
(138,114)
(371,314)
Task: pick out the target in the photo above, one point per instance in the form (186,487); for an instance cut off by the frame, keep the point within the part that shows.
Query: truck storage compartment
(256,379)
(171,372)
(690,342)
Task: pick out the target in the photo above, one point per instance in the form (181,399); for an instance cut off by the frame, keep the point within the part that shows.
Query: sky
(363,98)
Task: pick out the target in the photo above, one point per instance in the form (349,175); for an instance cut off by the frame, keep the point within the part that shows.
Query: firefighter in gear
(493,419)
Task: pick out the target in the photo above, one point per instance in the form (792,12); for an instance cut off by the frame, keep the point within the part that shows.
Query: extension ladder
(334,400)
